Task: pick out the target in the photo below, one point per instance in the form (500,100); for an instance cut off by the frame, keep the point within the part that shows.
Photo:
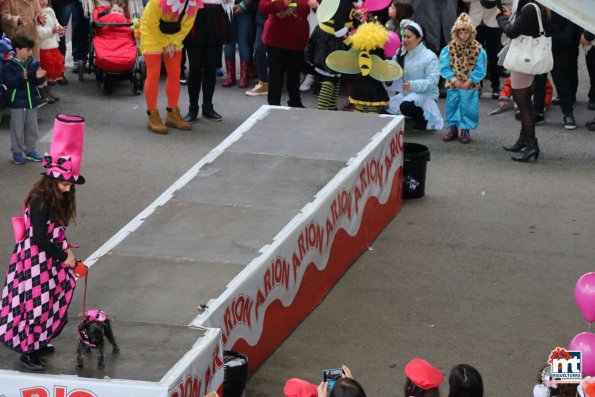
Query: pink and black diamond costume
(40,280)
(38,287)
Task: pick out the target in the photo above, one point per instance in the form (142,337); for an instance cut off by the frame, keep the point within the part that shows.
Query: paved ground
(480,271)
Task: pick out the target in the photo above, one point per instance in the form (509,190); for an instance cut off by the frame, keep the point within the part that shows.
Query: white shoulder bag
(530,55)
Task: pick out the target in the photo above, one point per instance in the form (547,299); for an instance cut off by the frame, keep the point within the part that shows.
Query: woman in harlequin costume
(40,280)
(331,34)
(463,66)
(156,45)
(365,60)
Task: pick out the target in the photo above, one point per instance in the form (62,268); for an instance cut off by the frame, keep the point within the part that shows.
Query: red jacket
(507,91)
(289,33)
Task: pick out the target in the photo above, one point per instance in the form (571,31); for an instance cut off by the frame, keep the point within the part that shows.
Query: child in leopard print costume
(463,66)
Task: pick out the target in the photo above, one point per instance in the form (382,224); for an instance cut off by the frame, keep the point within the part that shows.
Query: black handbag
(175,26)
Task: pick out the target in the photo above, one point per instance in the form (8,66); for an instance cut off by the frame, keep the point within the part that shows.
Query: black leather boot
(519,145)
(531,150)
(192,114)
(32,362)
(209,113)
(47,349)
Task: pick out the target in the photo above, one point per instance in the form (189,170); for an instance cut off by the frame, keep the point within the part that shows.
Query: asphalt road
(480,271)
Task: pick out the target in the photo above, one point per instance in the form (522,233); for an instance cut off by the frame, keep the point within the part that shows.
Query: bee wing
(344,61)
(384,70)
(327,9)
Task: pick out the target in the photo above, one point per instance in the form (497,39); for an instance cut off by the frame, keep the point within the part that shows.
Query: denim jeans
(80,28)
(242,33)
(260,55)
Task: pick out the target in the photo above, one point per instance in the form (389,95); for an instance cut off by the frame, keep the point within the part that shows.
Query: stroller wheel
(81,67)
(143,69)
(98,75)
(136,87)
(107,87)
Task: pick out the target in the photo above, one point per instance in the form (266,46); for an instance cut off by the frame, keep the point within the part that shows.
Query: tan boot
(155,124)
(262,88)
(174,119)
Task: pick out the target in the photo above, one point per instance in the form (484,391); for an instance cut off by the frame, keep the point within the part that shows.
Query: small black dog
(92,328)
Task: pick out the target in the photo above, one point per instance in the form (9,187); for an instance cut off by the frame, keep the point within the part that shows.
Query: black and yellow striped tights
(329,92)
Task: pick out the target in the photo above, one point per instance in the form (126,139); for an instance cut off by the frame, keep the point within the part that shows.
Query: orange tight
(172,84)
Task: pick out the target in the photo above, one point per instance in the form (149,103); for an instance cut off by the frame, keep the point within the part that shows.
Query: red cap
(423,374)
(299,388)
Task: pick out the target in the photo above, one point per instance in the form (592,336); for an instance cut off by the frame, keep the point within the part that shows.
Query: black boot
(531,150)
(519,145)
(47,349)
(209,113)
(32,362)
(45,96)
(192,114)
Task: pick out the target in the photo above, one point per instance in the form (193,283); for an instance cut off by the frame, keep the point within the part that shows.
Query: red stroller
(113,53)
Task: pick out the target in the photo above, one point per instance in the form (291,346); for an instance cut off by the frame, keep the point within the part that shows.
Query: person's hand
(41,18)
(407,86)
(359,15)
(584,41)
(501,104)
(457,84)
(24,20)
(56,29)
(70,260)
(237,9)
(313,4)
(63,30)
(322,389)
(169,50)
(467,84)
(40,73)
(506,11)
(285,13)
(346,372)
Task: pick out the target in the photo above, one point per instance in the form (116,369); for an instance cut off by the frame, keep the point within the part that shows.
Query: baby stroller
(113,49)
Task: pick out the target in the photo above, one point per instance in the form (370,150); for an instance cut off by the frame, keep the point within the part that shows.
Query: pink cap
(66,151)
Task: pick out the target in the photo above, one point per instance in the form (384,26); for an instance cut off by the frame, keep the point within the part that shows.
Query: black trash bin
(235,373)
(415,160)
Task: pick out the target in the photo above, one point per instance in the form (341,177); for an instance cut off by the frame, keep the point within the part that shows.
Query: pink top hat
(66,151)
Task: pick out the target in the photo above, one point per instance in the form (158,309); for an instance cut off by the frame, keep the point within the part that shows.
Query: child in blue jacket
(22,76)
(463,66)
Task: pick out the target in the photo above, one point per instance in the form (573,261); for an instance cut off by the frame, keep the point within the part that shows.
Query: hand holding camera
(330,377)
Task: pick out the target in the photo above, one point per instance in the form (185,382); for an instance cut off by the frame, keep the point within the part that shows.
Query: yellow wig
(369,36)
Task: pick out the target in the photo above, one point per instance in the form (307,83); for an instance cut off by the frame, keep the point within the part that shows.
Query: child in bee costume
(365,60)
(332,34)
(463,65)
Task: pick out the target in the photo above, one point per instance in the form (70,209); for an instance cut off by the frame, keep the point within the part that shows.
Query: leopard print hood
(463,21)
(463,54)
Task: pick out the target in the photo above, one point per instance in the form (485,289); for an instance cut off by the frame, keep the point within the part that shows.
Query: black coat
(525,22)
(22,93)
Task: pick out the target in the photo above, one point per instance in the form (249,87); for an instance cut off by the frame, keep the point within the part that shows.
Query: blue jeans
(242,33)
(80,28)
(260,55)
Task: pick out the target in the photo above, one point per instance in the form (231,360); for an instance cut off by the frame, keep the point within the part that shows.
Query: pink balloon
(375,5)
(584,294)
(585,343)
(392,45)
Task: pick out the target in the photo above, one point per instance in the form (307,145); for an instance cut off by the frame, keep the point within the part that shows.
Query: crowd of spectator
(279,41)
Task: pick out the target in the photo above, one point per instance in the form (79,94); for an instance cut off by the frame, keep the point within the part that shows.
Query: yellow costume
(152,39)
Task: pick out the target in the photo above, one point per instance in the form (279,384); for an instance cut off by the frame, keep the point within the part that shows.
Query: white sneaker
(307,83)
